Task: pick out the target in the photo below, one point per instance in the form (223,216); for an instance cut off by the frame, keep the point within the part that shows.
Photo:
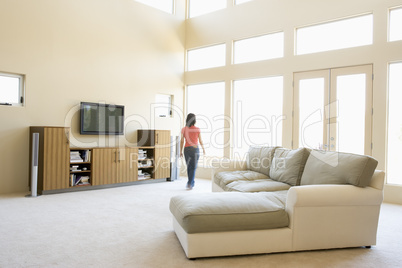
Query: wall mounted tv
(101,119)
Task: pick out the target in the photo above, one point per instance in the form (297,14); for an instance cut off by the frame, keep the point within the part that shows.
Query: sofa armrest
(333,195)
(333,216)
(378,179)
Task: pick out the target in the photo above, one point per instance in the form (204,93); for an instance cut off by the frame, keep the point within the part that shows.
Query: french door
(333,109)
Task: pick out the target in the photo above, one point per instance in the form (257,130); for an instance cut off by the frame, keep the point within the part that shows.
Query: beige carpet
(131,227)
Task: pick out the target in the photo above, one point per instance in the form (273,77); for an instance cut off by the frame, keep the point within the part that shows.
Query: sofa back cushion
(338,168)
(259,159)
(288,165)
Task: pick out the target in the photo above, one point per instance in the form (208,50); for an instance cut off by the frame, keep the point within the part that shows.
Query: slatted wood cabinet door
(127,165)
(114,165)
(54,157)
(162,154)
(104,166)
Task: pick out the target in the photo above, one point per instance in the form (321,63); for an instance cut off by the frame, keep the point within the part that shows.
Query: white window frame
(21,89)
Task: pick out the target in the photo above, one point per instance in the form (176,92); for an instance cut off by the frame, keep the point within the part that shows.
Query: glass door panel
(311,103)
(310,97)
(351,96)
(351,90)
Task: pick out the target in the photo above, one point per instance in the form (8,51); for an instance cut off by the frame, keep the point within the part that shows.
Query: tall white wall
(266,16)
(112,51)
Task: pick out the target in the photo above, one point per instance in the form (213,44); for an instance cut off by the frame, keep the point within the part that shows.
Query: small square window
(11,89)
(163,105)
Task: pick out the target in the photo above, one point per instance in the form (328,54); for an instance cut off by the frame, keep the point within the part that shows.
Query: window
(163,105)
(394,167)
(164,5)
(207,102)
(238,2)
(259,48)
(200,7)
(11,89)
(346,33)
(207,57)
(257,113)
(395,22)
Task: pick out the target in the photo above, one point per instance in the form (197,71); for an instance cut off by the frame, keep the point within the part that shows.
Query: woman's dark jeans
(191,154)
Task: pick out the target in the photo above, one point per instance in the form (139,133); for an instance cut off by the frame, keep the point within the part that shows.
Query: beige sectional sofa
(282,200)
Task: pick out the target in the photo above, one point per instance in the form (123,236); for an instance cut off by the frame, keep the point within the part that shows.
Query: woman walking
(192,135)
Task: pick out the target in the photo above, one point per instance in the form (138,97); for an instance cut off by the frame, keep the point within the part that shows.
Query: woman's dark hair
(190,120)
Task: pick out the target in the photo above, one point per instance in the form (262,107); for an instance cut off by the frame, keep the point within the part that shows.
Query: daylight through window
(207,57)
(11,89)
(259,48)
(395,24)
(346,33)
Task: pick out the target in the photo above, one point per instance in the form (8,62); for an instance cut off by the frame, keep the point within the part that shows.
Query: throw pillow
(288,165)
(259,159)
(324,167)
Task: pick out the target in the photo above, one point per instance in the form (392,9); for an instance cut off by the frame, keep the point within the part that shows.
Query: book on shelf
(86,155)
(79,180)
(144,176)
(75,157)
(142,154)
(80,156)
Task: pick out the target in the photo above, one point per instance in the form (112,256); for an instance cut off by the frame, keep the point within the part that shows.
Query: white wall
(265,16)
(113,51)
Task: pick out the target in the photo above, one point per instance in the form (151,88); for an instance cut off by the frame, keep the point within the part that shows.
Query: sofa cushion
(263,185)
(226,177)
(288,165)
(259,159)
(338,168)
(217,212)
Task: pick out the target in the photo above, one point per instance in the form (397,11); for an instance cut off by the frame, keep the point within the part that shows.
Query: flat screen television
(101,119)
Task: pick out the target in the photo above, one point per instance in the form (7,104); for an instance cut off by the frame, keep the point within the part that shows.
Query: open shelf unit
(80,167)
(146,163)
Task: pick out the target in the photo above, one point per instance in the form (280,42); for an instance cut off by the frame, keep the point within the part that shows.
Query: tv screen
(101,119)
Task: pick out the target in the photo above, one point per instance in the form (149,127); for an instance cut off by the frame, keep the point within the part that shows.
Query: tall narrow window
(11,89)
(207,57)
(207,102)
(201,7)
(395,22)
(394,167)
(257,113)
(164,5)
(346,33)
(258,48)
